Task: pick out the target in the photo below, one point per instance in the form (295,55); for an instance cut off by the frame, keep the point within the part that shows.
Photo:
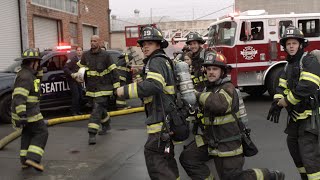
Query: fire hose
(12,136)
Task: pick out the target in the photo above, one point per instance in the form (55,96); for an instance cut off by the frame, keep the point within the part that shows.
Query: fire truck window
(282,26)
(257,30)
(309,27)
(132,32)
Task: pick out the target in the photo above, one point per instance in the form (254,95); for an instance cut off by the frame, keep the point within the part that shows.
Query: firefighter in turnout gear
(101,81)
(156,88)
(125,76)
(26,110)
(298,85)
(220,139)
(195,41)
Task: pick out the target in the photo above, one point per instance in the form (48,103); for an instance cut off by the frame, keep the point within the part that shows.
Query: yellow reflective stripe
(216,152)
(116,85)
(177,142)
(278,96)
(15,116)
(292,99)
(147,100)
(21,108)
(21,91)
(126,57)
(93,126)
(169,90)
(40,73)
(36,85)
(302,170)
(122,78)
(133,90)
(25,53)
(310,77)
(80,65)
(286,91)
(303,115)
(210,177)
(124,68)
(36,149)
(314,176)
(99,93)
(106,71)
(200,78)
(203,97)
(31,54)
(199,140)
(228,98)
(32,99)
(220,120)
(23,152)
(154,128)
(35,118)
(195,80)
(156,76)
(283,83)
(259,174)
(121,102)
(199,115)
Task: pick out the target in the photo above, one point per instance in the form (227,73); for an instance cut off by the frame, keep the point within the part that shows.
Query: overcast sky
(179,9)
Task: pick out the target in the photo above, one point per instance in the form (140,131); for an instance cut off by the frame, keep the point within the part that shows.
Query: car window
(56,63)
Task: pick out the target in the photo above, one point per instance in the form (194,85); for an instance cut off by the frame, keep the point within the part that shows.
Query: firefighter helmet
(31,54)
(194,36)
(215,59)
(150,33)
(293,33)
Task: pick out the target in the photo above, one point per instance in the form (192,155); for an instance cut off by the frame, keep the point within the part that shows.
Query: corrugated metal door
(87,32)
(10,41)
(45,33)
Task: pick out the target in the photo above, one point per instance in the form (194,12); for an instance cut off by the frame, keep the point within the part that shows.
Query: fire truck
(250,42)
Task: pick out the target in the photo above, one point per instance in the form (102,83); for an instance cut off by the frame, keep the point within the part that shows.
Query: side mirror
(248,30)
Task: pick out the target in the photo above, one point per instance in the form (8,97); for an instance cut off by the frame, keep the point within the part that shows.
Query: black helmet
(126,56)
(194,36)
(31,54)
(214,58)
(150,33)
(293,33)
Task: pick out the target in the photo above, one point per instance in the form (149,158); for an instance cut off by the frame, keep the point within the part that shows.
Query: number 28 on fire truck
(250,42)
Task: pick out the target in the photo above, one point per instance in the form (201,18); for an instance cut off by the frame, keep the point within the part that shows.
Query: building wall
(279,6)
(93,12)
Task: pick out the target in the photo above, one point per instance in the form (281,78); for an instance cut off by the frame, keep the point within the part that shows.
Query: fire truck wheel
(255,90)
(5,108)
(273,80)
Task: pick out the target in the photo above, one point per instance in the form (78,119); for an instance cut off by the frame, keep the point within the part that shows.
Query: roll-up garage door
(45,33)
(87,32)
(10,41)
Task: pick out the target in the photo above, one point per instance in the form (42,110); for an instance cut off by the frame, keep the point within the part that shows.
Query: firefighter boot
(104,127)
(35,165)
(92,139)
(277,175)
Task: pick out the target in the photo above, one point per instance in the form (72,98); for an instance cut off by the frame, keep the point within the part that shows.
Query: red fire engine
(250,42)
(132,34)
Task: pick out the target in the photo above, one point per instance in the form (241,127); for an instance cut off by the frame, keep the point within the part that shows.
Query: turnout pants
(33,141)
(303,147)
(160,165)
(99,114)
(193,161)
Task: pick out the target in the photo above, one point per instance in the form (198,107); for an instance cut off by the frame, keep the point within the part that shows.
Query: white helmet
(80,75)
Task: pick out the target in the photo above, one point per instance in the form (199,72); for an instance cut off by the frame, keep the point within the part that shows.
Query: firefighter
(125,76)
(26,110)
(298,83)
(195,42)
(158,83)
(101,80)
(70,69)
(221,138)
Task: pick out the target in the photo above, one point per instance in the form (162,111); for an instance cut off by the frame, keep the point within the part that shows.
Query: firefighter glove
(22,122)
(274,112)
(74,75)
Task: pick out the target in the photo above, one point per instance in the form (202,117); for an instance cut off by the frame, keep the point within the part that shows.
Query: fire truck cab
(250,42)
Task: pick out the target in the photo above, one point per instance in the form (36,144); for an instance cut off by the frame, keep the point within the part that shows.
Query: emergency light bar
(63,47)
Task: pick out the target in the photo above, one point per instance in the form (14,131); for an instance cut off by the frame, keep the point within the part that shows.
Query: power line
(214,12)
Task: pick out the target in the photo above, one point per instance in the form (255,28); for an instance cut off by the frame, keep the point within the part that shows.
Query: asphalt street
(119,154)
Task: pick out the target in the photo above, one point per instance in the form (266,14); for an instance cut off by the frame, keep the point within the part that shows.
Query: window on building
(257,31)
(283,25)
(309,27)
(73,34)
(70,6)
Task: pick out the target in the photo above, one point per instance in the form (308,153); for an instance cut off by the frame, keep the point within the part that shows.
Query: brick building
(48,23)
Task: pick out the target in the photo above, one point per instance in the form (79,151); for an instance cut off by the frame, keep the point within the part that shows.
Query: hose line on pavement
(12,136)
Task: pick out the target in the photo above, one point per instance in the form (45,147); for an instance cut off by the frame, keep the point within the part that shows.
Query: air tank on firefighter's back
(185,83)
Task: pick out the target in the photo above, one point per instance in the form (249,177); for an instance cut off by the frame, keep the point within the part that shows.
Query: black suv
(54,86)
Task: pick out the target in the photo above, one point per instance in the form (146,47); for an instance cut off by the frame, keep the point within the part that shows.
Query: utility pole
(151,15)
